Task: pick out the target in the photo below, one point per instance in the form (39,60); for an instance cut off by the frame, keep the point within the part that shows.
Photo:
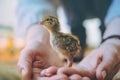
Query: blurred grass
(8,72)
(8,54)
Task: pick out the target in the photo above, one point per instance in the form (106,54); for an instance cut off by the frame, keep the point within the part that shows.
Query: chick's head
(51,23)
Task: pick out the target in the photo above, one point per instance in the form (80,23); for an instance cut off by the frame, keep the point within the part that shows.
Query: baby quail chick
(67,44)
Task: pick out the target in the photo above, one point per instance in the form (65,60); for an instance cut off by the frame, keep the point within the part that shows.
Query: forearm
(113,28)
(112,20)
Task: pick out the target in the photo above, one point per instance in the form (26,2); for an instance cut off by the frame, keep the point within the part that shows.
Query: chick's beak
(41,22)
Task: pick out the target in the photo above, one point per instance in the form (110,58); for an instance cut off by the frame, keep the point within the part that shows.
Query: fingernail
(23,75)
(104,74)
(48,74)
(85,78)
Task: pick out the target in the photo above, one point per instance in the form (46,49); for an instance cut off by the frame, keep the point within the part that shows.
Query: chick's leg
(69,63)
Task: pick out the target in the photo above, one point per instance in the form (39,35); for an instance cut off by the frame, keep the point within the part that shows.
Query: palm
(39,57)
(43,57)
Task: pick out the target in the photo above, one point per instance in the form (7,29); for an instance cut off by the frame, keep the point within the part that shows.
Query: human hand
(36,56)
(62,73)
(105,60)
(102,63)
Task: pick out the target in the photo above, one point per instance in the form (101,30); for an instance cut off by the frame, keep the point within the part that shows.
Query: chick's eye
(47,19)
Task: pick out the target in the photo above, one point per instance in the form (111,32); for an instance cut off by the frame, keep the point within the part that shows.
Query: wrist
(111,37)
(112,28)
(112,41)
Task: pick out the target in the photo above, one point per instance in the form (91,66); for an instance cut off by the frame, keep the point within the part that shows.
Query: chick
(66,44)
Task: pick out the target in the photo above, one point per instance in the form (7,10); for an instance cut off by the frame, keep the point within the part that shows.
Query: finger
(50,71)
(86,78)
(104,68)
(55,77)
(68,71)
(42,78)
(113,72)
(59,77)
(39,64)
(75,77)
(36,71)
(25,65)
(37,57)
(88,65)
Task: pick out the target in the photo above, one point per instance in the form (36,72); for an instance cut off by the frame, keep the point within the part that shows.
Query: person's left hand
(37,54)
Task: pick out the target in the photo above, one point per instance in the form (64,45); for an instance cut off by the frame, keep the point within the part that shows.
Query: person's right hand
(100,64)
(35,57)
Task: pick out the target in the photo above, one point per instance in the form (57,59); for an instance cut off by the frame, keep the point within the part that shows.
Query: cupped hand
(37,54)
(102,63)
(35,57)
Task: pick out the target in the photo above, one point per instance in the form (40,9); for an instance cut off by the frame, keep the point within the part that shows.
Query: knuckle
(61,70)
(63,77)
(52,67)
(19,68)
(86,78)
(116,56)
(76,77)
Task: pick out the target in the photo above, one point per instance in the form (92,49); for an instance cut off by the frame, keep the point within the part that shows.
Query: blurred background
(10,45)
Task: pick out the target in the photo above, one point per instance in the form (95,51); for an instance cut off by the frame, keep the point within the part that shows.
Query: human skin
(103,60)
(37,53)
(100,64)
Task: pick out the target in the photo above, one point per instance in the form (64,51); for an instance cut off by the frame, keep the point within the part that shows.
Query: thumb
(26,74)
(25,64)
(104,68)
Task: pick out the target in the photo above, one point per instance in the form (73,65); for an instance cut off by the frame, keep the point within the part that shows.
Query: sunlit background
(10,45)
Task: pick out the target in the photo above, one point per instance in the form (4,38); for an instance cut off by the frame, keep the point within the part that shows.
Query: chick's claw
(69,63)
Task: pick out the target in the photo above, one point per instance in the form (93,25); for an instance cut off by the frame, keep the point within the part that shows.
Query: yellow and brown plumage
(67,44)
